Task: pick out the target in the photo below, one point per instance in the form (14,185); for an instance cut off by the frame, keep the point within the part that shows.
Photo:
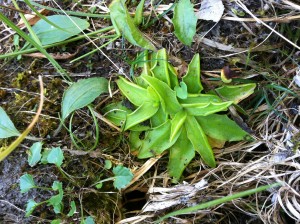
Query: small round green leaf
(56,156)
(26,183)
(35,154)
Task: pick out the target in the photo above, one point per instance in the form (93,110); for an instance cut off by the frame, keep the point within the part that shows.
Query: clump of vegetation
(174,114)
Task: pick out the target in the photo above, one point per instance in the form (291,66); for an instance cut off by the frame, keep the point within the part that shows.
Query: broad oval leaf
(236,93)
(167,96)
(177,123)
(221,127)
(134,93)
(204,109)
(123,176)
(69,26)
(144,112)
(123,23)
(82,93)
(181,153)
(35,154)
(7,128)
(199,140)
(26,183)
(184,21)
(55,156)
(192,77)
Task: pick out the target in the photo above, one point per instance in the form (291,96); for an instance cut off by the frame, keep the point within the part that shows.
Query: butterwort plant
(172,113)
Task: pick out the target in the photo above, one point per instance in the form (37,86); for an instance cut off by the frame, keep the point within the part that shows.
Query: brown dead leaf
(32,18)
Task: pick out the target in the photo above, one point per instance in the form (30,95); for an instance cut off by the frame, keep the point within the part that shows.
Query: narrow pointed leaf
(82,93)
(200,98)
(177,123)
(167,96)
(160,70)
(184,21)
(26,183)
(35,154)
(144,112)
(199,140)
(192,77)
(236,93)
(123,23)
(181,153)
(204,109)
(138,17)
(68,26)
(134,93)
(7,128)
(173,76)
(221,127)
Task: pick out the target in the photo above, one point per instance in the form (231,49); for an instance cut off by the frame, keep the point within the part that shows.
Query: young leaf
(160,70)
(108,164)
(82,93)
(73,209)
(69,26)
(35,154)
(181,153)
(56,200)
(236,93)
(123,23)
(45,153)
(177,123)
(184,21)
(123,176)
(26,183)
(192,77)
(138,17)
(167,96)
(181,91)
(199,140)
(7,128)
(144,112)
(221,127)
(56,156)
(31,205)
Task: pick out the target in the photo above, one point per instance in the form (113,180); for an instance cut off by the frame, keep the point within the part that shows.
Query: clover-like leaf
(82,93)
(181,91)
(56,156)
(123,176)
(35,154)
(26,183)
(30,206)
(184,21)
(7,128)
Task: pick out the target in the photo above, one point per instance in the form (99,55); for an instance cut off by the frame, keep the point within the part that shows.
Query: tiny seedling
(175,115)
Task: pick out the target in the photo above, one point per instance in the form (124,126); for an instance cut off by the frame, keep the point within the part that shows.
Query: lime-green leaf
(35,154)
(200,98)
(69,26)
(31,205)
(181,91)
(184,21)
(73,209)
(116,113)
(156,141)
(123,176)
(199,140)
(56,156)
(158,118)
(138,17)
(173,76)
(82,93)
(236,93)
(192,77)
(26,183)
(181,153)
(167,96)
(56,221)
(134,93)
(204,109)
(123,23)
(107,164)
(221,127)
(177,123)
(161,70)
(144,112)
(7,128)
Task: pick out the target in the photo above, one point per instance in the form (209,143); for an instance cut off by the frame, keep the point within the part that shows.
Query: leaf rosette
(176,116)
